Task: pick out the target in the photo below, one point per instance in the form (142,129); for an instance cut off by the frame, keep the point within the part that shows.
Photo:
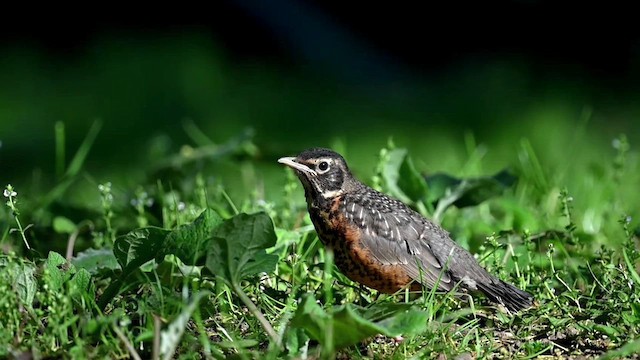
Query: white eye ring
(323,167)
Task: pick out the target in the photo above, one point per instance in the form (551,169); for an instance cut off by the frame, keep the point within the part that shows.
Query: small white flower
(181,206)
(616,143)
(9,193)
(106,187)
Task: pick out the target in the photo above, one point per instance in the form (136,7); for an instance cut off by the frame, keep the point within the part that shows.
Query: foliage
(179,268)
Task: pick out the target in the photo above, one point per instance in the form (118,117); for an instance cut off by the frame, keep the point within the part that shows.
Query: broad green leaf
(81,281)
(404,182)
(296,341)
(402,179)
(397,319)
(142,245)
(26,283)
(54,259)
(139,246)
(93,260)
(312,318)
(360,324)
(190,242)
(56,271)
(353,324)
(410,181)
(439,184)
(132,251)
(238,247)
(391,172)
(62,225)
(350,328)
(22,275)
(467,192)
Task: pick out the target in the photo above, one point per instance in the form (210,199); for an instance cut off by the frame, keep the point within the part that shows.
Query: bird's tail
(506,294)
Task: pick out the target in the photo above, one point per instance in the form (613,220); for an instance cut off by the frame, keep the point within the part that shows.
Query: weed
(12,201)
(185,269)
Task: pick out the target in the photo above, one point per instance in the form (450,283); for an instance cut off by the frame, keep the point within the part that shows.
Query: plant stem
(22,233)
(257,313)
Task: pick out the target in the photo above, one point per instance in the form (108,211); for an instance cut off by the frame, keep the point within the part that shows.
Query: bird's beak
(292,163)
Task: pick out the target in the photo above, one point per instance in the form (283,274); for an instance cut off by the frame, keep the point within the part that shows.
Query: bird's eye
(323,166)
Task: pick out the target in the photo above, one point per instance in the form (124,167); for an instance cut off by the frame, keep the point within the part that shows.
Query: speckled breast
(344,238)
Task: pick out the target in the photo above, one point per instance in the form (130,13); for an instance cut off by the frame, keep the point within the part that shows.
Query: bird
(382,243)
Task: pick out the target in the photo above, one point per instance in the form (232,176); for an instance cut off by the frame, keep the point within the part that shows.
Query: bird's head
(323,172)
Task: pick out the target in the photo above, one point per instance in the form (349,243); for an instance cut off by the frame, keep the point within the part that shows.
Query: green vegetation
(174,267)
(166,229)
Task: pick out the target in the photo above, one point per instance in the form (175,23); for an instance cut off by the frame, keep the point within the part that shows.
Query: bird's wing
(395,235)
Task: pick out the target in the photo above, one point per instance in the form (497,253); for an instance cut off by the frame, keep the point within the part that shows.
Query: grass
(174,268)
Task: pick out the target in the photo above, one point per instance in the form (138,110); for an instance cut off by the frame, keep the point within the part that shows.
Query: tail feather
(506,294)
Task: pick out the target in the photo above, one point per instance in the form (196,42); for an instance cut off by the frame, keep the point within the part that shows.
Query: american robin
(380,242)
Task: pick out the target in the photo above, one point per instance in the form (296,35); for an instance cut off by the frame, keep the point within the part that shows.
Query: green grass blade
(631,267)
(83,151)
(60,149)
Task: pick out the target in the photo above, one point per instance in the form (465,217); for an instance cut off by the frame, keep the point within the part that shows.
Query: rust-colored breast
(344,238)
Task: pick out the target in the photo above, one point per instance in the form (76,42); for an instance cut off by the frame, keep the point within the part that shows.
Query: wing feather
(399,238)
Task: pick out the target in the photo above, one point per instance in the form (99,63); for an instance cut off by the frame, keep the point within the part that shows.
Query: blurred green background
(312,77)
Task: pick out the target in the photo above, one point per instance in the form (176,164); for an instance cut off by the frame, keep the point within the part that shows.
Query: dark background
(601,39)
(308,73)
